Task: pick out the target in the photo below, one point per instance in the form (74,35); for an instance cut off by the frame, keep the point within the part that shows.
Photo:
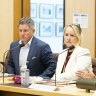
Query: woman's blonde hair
(77,29)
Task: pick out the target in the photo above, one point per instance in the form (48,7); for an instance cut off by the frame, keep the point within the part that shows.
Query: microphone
(21,45)
(86,83)
(69,48)
(4,57)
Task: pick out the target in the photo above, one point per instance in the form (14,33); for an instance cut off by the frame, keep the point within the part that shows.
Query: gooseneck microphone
(21,45)
(67,49)
(85,83)
(4,57)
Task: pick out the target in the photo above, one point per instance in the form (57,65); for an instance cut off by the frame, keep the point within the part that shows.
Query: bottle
(24,76)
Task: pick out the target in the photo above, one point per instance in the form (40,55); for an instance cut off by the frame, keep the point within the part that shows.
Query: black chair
(55,55)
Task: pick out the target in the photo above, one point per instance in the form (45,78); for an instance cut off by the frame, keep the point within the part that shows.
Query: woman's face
(70,37)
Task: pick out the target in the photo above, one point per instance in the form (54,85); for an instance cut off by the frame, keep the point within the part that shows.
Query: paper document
(42,87)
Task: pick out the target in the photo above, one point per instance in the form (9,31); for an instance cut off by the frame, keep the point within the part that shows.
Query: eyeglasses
(77,25)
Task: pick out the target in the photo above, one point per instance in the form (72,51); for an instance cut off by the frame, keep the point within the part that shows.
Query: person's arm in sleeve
(48,61)
(10,64)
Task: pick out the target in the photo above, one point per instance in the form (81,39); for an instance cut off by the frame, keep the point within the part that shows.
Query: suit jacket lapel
(32,49)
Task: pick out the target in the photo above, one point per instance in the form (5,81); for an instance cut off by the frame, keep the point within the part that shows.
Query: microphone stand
(67,49)
(55,69)
(55,79)
(4,56)
(3,69)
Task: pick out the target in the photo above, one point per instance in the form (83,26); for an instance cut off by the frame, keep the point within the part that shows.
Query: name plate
(42,87)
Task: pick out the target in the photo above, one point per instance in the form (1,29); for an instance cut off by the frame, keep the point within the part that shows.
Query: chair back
(94,65)
(55,55)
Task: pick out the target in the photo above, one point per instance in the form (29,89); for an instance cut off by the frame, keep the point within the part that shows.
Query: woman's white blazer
(80,60)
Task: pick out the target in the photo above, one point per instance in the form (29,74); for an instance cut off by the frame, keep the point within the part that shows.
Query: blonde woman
(71,61)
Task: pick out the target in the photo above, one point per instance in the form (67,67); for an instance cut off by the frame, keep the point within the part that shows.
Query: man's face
(25,33)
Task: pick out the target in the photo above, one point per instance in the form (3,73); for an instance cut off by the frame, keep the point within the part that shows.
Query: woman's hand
(85,74)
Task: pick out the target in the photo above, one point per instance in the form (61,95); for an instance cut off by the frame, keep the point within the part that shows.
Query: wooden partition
(21,9)
(26,8)
(6,25)
(88,39)
(17,15)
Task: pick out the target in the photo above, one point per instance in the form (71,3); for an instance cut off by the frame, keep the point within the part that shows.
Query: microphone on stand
(69,48)
(4,57)
(86,83)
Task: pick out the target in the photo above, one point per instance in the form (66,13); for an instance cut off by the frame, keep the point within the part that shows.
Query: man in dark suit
(36,55)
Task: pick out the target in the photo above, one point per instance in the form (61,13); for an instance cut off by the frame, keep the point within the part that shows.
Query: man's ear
(33,30)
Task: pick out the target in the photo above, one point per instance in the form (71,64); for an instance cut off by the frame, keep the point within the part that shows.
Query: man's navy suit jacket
(40,60)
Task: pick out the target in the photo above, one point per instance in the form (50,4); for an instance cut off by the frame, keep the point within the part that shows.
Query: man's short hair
(26,20)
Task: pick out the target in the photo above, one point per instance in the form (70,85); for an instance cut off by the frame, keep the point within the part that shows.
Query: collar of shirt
(28,44)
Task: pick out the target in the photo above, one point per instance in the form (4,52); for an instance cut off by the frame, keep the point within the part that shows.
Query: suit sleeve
(10,64)
(48,61)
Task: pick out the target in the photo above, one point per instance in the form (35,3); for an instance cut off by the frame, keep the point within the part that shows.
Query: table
(11,89)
